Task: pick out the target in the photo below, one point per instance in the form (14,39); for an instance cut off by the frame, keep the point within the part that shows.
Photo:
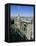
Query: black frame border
(7,12)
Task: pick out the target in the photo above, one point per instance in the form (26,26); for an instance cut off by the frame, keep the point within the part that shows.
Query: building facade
(24,24)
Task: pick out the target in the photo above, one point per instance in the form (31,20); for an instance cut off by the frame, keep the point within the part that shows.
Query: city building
(24,24)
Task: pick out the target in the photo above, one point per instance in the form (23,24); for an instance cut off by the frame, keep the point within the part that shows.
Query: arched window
(25,26)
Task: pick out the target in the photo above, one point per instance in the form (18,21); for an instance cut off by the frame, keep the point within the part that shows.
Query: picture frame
(8,33)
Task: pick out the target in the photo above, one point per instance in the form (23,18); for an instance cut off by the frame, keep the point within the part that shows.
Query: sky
(21,10)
